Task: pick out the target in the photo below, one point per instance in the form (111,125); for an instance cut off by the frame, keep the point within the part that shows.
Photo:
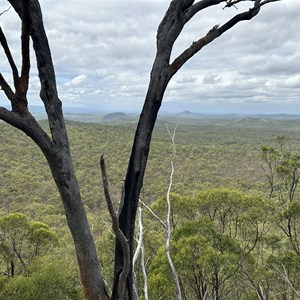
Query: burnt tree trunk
(177,15)
(57,151)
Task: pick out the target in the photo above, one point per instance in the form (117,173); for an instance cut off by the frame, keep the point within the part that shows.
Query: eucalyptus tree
(55,145)
(283,173)
(21,241)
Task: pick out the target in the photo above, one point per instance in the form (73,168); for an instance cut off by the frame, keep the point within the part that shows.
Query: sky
(103,52)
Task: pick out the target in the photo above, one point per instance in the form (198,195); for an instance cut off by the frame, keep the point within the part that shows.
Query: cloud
(103,52)
(76,80)
(291,82)
(211,78)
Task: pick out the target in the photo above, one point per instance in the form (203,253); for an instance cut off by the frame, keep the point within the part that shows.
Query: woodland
(234,218)
(218,234)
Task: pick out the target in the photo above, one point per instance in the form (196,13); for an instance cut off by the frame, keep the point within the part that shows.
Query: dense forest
(235,209)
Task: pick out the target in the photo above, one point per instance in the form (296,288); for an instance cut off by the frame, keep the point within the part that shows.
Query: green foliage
(225,223)
(215,232)
(21,241)
(105,247)
(45,280)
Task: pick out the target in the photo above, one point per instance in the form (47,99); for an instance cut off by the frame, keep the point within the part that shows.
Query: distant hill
(252,121)
(116,116)
(186,112)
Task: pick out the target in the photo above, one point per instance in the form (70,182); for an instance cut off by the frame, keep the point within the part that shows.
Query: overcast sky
(103,52)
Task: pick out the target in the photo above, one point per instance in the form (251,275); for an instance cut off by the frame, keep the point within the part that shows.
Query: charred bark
(177,15)
(55,148)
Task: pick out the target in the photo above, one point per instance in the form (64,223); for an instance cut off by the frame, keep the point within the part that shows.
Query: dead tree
(177,16)
(55,145)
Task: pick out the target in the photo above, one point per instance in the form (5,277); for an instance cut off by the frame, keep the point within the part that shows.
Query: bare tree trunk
(56,149)
(135,175)
(119,234)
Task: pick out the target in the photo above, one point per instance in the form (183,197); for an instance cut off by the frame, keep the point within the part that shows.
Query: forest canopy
(222,214)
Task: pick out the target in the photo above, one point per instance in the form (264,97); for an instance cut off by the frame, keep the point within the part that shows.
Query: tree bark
(162,72)
(135,174)
(57,152)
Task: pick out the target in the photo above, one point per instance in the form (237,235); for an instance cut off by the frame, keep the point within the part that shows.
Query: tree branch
(144,272)
(119,234)
(140,240)
(9,57)
(18,101)
(6,88)
(198,6)
(48,92)
(30,126)
(137,250)
(285,276)
(215,32)
(154,214)
(168,225)
(24,80)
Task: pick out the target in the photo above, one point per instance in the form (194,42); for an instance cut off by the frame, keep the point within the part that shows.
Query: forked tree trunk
(135,174)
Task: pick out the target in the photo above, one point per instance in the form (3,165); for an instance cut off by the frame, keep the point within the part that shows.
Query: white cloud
(76,80)
(291,82)
(111,45)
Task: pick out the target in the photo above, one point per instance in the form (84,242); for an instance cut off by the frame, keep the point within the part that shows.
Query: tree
(45,280)
(55,145)
(216,240)
(283,175)
(21,240)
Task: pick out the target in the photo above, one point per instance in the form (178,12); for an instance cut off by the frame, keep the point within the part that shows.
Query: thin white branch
(137,251)
(168,227)
(154,214)
(140,239)
(108,227)
(144,272)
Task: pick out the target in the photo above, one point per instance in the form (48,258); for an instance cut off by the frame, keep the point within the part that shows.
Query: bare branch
(144,272)
(198,6)
(230,3)
(285,276)
(19,101)
(30,126)
(140,240)
(119,234)
(168,225)
(233,3)
(6,88)
(108,227)
(153,214)
(7,116)
(215,32)
(10,59)
(138,250)
(24,80)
